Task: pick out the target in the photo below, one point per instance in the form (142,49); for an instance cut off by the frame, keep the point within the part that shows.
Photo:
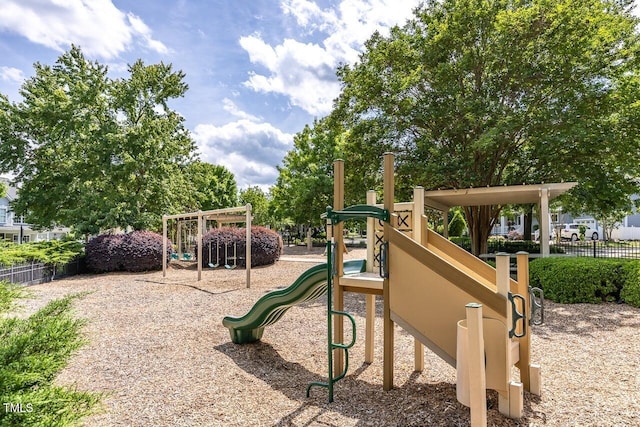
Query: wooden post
(164,246)
(424,231)
(445,224)
(416,234)
(370,300)
(476,365)
(338,292)
(248,245)
(388,191)
(179,237)
(544,222)
(503,282)
(199,240)
(525,342)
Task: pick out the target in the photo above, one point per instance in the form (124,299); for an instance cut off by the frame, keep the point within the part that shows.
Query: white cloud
(139,27)
(10,74)
(230,107)
(97,26)
(251,150)
(305,72)
(309,14)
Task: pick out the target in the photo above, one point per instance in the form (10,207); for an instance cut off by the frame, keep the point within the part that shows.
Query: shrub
(220,245)
(514,235)
(578,280)
(32,352)
(102,254)
(57,252)
(631,291)
(136,251)
(457,225)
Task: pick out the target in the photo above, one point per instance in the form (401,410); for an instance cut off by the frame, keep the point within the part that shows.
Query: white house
(627,229)
(14,229)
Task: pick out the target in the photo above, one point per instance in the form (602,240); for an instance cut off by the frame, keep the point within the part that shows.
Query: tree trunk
(528,222)
(480,220)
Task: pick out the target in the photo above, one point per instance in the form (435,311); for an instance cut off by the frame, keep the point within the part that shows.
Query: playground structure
(473,316)
(240,214)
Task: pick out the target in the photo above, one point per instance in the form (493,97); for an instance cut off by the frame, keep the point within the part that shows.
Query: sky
(258,70)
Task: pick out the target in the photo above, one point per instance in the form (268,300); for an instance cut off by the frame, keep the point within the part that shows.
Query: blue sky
(257,70)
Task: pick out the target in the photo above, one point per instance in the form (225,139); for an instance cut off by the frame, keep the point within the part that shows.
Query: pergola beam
(538,194)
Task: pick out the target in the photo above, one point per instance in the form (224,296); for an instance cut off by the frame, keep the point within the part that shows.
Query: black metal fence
(629,249)
(32,273)
(601,249)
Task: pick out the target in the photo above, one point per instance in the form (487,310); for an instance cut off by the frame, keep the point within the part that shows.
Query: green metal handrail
(356,212)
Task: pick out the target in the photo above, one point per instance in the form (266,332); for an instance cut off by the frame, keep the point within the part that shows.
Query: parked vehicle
(536,234)
(572,232)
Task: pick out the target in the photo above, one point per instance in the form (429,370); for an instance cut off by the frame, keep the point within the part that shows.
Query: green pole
(330,262)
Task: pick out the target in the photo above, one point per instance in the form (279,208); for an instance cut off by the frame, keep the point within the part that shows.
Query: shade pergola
(540,194)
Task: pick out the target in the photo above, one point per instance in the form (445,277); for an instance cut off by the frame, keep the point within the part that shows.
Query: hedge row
(222,245)
(587,280)
(136,251)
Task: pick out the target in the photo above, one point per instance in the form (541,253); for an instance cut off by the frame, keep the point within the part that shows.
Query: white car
(572,232)
(536,235)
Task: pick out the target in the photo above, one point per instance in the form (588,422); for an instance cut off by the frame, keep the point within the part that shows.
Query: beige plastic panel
(431,304)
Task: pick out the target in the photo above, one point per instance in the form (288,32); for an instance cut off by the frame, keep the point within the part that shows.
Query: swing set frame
(240,214)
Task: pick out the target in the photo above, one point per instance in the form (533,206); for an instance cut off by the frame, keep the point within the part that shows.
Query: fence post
(594,249)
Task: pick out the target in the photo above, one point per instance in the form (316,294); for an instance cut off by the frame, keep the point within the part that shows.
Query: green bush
(56,252)
(578,280)
(32,352)
(631,291)
(457,225)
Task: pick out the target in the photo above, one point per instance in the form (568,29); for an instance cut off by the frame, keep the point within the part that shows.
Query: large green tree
(95,153)
(304,187)
(259,204)
(210,187)
(491,92)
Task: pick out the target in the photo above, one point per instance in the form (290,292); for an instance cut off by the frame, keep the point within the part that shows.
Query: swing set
(227,258)
(189,229)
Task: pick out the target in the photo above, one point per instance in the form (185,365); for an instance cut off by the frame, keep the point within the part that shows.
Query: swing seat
(174,256)
(186,257)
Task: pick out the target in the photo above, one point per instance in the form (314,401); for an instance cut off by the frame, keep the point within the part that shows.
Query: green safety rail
(356,212)
(337,216)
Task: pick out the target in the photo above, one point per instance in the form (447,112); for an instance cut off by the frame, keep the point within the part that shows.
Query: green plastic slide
(271,307)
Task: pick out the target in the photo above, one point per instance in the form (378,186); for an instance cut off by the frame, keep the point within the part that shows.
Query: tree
(604,198)
(95,153)
(304,187)
(457,224)
(3,189)
(211,187)
(474,93)
(259,204)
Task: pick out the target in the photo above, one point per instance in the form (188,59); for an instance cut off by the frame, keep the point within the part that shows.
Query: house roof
(11,190)
(503,195)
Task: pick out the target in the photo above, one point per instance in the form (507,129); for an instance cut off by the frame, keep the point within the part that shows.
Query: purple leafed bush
(220,245)
(136,251)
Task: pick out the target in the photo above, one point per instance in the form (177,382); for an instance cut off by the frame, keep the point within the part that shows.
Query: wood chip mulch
(158,350)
